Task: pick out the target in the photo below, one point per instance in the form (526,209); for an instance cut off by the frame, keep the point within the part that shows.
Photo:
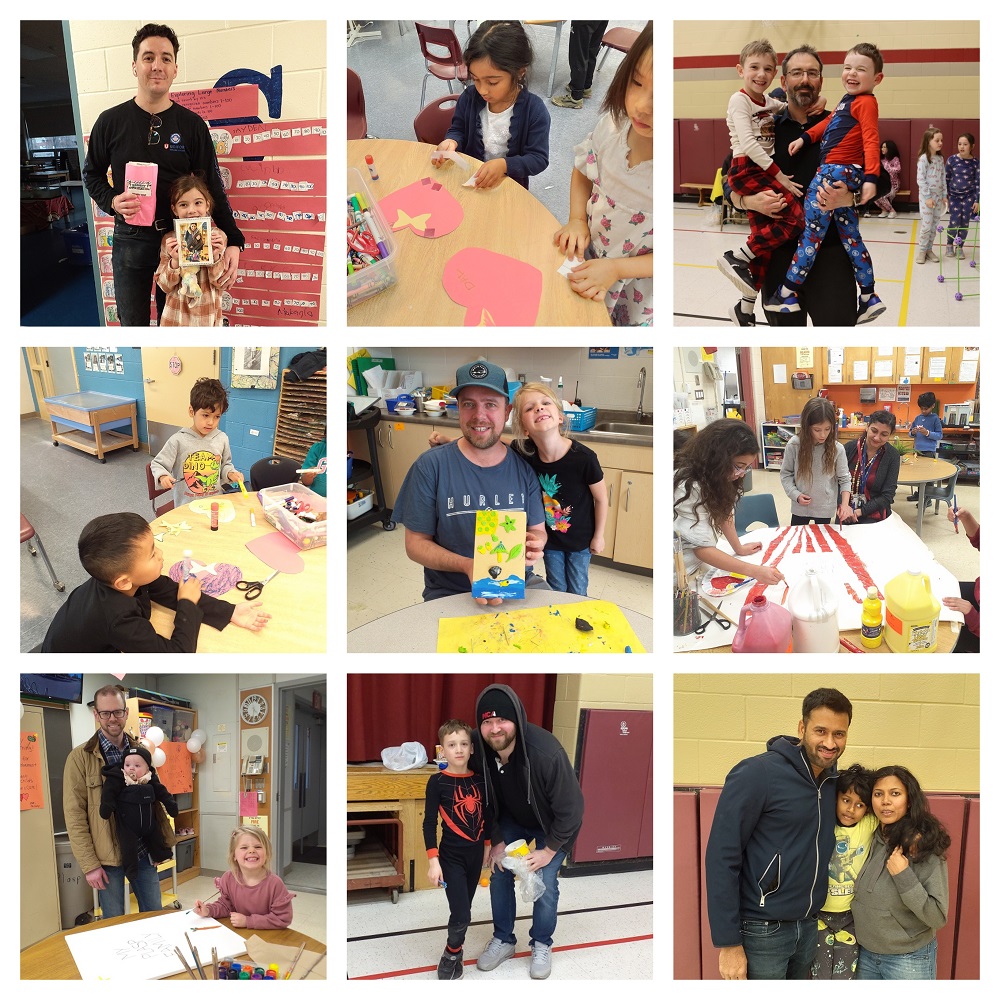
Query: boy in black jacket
(131,792)
(531,785)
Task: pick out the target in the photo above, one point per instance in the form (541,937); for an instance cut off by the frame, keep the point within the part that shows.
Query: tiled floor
(912,293)
(604,931)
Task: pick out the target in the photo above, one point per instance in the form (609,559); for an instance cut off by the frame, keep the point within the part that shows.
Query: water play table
(92,421)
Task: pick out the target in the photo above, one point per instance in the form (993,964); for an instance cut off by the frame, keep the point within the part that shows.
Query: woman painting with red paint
(874,466)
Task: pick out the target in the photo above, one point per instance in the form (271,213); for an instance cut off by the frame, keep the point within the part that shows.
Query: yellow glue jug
(871,620)
(911,613)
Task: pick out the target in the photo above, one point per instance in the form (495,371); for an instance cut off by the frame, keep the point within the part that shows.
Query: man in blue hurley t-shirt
(447,485)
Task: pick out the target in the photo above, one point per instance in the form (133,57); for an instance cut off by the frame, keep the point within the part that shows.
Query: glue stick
(186,565)
(215,517)
(370,160)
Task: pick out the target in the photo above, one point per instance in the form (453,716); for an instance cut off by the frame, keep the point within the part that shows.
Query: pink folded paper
(140,179)
(428,209)
(278,552)
(495,289)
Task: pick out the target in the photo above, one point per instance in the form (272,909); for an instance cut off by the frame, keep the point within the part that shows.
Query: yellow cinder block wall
(926,722)
(933,89)
(576,691)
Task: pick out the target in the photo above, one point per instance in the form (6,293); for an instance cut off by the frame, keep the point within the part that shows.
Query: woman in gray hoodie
(901,895)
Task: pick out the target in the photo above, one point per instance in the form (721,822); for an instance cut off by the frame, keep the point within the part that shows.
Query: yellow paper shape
(550,629)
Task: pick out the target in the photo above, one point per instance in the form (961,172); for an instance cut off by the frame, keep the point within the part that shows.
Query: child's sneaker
(921,257)
(779,303)
(588,91)
(867,311)
(950,252)
(932,256)
(740,318)
(892,215)
(450,966)
(737,270)
(960,253)
(566,101)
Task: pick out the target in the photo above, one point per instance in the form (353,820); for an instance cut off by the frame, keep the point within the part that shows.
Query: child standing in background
(961,173)
(196,460)
(815,461)
(498,120)
(251,895)
(926,430)
(611,196)
(194,299)
(837,947)
(932,192)
(893,167)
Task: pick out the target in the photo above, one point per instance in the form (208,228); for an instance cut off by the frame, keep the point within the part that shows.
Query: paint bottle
(215,517)
(871,620)
(911,613)
(370,160)
(812,603)
(224,967)
(764,627)
(186,565)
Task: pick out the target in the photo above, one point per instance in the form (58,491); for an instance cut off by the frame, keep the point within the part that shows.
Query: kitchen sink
(621,427)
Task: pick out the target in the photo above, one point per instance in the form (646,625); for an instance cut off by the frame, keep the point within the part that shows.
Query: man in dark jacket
(771,841)
(535,795)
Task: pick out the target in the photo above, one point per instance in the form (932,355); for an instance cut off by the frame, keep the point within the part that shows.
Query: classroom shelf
(774,437)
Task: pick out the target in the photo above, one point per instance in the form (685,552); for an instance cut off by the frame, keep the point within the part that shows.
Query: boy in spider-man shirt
(457,796)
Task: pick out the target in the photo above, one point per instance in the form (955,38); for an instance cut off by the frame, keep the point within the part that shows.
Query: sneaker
(921,256)
(779,303)
(566,101)
(932,256)
(740,318)
(587,92)
(914,497)
(867,311)
(950,252)
(960,253)
(892,215)
(497,951)
(450,966)
(738,272)
(883,215)
(541,960)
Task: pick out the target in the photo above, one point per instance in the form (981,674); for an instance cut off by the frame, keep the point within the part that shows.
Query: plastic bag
(404,757)
(532,886)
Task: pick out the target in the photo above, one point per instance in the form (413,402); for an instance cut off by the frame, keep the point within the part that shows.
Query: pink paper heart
(495,289)
(424,207)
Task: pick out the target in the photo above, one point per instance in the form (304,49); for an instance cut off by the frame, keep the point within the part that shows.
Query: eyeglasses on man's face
(118,713)
(798,74)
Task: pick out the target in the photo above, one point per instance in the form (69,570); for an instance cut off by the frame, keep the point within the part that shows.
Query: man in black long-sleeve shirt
(150,128)
(828,296)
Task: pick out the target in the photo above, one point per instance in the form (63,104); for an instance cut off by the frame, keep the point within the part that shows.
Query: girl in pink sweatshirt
(251,894)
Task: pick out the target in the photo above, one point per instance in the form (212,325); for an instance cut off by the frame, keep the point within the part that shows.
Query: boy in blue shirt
(926,430)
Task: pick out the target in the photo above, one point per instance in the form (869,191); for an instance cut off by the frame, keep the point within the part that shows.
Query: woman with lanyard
(874,468)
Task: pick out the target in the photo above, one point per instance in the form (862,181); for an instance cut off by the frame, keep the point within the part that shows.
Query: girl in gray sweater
(901,895)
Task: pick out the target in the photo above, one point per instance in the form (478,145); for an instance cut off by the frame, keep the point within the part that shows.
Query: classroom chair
(445,60)
(619,39)
(154,491)
(27,534)
(273,471)
(434,120)
(751,509)
(357,123)
(944,491)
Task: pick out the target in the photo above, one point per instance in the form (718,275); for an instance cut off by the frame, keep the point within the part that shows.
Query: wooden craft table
(506,219)
(415,629)
(918,471)
(375,788)
(90,422)
(52,959)
(296,602)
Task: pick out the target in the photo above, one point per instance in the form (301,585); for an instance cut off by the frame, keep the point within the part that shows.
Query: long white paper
(967,371)
(780,374)
(144,949)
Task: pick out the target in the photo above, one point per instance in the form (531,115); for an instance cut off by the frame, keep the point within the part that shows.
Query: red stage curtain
(385,710)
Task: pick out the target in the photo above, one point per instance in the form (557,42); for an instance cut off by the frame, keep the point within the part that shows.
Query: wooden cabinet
(613,481)
(634,520)
(944,365)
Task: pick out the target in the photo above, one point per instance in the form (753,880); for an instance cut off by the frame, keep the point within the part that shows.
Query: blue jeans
(146,888)
(919,964)
(567,571)
(135,255)
(504,902)
(779,949)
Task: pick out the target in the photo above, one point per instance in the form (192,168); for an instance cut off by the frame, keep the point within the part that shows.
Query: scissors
(253,588)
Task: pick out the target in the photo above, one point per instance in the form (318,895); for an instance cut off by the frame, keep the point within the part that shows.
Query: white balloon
(193,745)
(159,758)
(146,743)
(155,735)
(200,735)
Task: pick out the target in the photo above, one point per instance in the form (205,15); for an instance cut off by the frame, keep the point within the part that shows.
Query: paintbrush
(215,963)
(194,953)
(180,955)
(302,948)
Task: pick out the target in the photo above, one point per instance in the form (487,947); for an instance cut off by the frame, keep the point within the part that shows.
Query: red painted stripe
(517,954)
(833,59)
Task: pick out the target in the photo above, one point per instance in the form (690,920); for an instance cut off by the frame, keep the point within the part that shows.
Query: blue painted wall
(248,408)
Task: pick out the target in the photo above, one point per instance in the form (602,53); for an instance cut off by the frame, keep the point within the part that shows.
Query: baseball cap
(484,374)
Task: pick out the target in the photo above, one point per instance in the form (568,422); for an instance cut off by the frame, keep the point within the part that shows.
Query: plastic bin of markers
(377,277)
(305,534)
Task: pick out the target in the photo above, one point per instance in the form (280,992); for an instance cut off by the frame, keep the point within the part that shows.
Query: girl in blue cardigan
(498,120)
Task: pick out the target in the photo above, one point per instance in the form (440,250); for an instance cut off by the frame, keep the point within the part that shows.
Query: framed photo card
(194,241)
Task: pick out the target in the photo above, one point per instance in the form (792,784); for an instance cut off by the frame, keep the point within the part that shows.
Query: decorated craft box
(498,559)
(297,512)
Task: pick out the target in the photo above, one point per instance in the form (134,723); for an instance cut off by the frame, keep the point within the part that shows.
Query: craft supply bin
(376,278)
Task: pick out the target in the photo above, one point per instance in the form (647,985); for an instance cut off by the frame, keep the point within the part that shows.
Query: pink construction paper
(495,289)
(226,577)
(425,207)
(278,552)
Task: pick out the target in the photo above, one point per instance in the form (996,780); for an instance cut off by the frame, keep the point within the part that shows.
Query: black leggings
(460,869)
(798,519)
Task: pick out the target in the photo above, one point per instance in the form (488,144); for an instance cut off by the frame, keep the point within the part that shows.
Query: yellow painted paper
(498,558)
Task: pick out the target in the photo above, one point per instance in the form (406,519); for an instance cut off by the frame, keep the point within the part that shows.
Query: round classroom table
(296,602)
(506,219)
(415,629)
(52,959)
(918,471)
